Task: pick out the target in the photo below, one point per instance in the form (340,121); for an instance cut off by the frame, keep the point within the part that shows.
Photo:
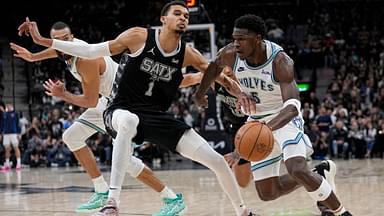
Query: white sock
(6,162)
(18,161)
(114,193)
(167,193)
(100,185)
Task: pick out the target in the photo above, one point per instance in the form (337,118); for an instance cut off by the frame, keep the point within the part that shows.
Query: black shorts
(156,127)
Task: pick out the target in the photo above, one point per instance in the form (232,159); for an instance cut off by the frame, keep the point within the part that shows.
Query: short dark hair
(253,23)
(60,25)
(166,7)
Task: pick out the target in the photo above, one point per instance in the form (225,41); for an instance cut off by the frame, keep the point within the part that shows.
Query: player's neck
(259,56)
(169,40)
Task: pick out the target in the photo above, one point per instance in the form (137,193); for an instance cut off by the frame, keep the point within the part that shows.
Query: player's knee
(297,173)
(72,141)
(297,168)
(127,122)
(266,194)
(135,166)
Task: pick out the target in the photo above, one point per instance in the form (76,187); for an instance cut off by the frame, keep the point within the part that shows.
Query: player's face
(177,18)
(62,34)
(245,42)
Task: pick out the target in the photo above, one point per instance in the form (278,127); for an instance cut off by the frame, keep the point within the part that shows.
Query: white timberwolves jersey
(106,79)
(259,82)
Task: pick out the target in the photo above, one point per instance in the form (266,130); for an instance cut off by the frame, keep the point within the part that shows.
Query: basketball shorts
(93,117)
(9,139)
(290,141)
(156,127)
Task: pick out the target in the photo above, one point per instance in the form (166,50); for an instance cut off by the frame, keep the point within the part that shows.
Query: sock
(114,192)
(6,162)
(100,185)
(339,211)
(167,193)
(18,161)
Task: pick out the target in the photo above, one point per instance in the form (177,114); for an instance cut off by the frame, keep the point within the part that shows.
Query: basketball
(254,141)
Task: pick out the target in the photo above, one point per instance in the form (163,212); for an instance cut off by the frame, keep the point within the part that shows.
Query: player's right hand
(21,52)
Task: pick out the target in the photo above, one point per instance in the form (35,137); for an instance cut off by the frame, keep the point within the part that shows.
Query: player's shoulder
(228,49)
(282,58)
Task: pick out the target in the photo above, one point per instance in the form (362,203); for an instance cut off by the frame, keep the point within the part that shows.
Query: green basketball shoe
(97,201)
(172,207)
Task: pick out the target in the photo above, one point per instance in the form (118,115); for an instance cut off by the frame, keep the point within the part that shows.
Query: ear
(162,19)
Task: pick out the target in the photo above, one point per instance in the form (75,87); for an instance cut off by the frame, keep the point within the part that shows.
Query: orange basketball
(254,141)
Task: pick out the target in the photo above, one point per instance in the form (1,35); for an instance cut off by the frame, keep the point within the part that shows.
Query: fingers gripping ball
(254,141)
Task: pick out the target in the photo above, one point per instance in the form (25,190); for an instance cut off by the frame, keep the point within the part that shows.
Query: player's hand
(232,158)
(24,28)
(21,52)
(34,31)
(201,100)
(246,104)
(52,88)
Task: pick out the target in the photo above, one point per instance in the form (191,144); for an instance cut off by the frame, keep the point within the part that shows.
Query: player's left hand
(246,104)
(52,88)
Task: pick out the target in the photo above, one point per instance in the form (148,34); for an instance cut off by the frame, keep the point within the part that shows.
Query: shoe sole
(182,211)
(87,210)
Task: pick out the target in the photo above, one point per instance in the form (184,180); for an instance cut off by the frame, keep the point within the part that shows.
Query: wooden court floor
(58,191)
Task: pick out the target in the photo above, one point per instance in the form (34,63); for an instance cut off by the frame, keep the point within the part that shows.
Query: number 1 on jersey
(150,87)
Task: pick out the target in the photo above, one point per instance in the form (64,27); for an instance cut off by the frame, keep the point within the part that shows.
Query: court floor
(58,191)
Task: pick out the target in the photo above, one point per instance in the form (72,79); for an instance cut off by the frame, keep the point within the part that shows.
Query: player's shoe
(327,169)
(172,207)
(347,213)
(18,167)
(5,168)
(97,201)
(248,212)
(110,209)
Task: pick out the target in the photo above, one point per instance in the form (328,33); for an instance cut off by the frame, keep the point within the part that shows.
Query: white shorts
(290,141)
(93,117)
(9,139)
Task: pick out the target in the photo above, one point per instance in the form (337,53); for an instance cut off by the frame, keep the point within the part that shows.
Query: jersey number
(150,87)
(255,97)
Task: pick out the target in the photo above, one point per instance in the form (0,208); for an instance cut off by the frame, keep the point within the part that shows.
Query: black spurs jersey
(228,102)
(148,79)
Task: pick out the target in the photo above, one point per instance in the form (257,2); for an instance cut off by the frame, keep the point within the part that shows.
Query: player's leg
(15,144)
(74,137)
(7,145)
(193,146)
(295,153)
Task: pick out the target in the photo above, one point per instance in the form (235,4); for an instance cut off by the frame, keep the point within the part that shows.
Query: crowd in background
(347,122)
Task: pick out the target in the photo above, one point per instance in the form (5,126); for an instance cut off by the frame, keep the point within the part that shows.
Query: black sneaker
(347,213)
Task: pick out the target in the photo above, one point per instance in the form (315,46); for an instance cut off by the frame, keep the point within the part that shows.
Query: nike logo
(176,61)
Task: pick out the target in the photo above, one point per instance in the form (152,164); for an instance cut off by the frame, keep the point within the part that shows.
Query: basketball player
(145,86)
(266,73)
(96,77)
(11,131)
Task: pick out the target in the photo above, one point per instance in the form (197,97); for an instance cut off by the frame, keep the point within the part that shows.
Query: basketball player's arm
(284,74)
(211,72)
(90,70)
(131,40)
(25,54)
(191,79)
(194,58)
